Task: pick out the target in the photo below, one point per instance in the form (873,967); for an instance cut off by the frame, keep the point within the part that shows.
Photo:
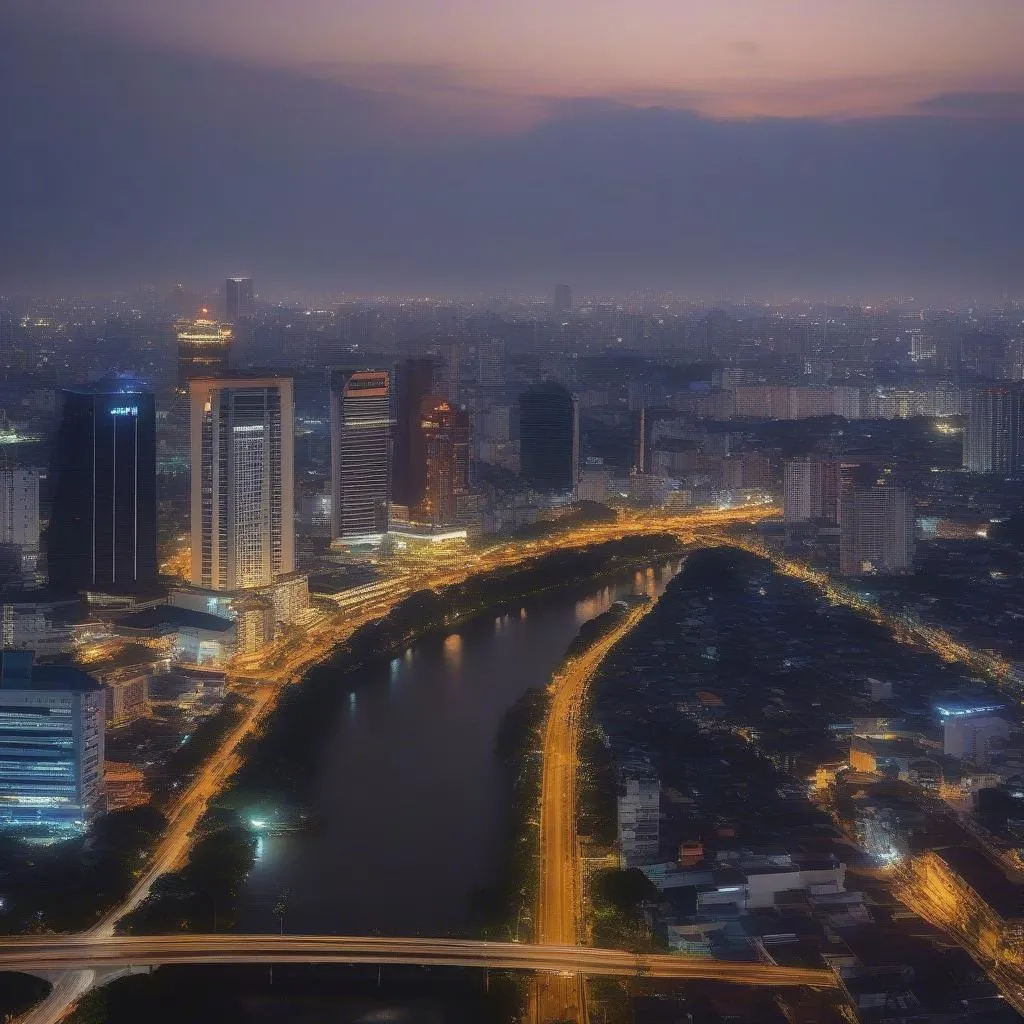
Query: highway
(81,953)
(904,630)
(284,663)
(560,895)
(944,907)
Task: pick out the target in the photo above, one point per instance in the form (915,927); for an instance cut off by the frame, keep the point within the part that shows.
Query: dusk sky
(808,145)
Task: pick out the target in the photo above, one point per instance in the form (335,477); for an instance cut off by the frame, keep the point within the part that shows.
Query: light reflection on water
(453,652)
(408,787)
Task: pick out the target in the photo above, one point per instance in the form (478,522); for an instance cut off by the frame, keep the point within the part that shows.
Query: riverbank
(281,763)
(510,902)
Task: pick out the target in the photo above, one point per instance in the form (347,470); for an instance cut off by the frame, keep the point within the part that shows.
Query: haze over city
(511,512)
(768,148)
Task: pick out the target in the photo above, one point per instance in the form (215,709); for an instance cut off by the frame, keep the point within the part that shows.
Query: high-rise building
(994,437)
(641,441)
(446,448)
(361,428)
(243,481)
(638,809)
(450,383)
(102,533)
(490,371)
(238,299)
(549,438)
(51,743)
(19,508)
(415,381)
(563,298)
(811,490)
(876,531)
(204,350)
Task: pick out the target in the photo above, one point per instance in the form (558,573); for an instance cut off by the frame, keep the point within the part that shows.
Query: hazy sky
(403,143)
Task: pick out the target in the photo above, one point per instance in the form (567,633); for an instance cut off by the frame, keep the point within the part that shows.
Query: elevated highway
(47,954)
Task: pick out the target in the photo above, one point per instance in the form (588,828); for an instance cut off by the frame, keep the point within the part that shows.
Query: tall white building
(361,439)
(876,531)
(490,370)
(243,481)
(811,490)
(638,813)
(796,491)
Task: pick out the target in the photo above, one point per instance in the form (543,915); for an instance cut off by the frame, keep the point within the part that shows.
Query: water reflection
(594,605)
(411,803)
(453,652)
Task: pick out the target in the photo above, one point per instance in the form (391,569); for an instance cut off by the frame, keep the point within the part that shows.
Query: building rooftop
(17,672)
(173,617)
(114,384)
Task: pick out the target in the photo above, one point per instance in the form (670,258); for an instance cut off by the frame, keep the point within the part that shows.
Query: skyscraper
(361,427)
(490,371)
(641,441)
(876,531)
(243,486)
(549,438)
(994,436)
(415,382)
(450,383)
(238,298)
(102,533)
(811,490)
(204,350)
(446,449)
(563,298)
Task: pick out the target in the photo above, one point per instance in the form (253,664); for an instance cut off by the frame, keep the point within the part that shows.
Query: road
(86,952)
(560,899)
(284,663)
(944,907)
(904,629)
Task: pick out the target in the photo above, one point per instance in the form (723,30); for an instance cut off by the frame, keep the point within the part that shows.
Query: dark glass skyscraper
(102,533)
(415,382)
(238,298)
(549,438)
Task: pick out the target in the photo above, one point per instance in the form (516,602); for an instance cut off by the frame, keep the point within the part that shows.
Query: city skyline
(512,512)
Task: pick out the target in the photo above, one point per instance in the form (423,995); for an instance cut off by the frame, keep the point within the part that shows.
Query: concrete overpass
(48,954)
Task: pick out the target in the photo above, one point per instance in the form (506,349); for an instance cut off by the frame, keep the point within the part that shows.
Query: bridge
(47,954)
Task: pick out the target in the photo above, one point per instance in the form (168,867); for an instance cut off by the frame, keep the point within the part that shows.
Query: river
(411,797)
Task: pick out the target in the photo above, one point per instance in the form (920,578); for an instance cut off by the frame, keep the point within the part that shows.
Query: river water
(410,793)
